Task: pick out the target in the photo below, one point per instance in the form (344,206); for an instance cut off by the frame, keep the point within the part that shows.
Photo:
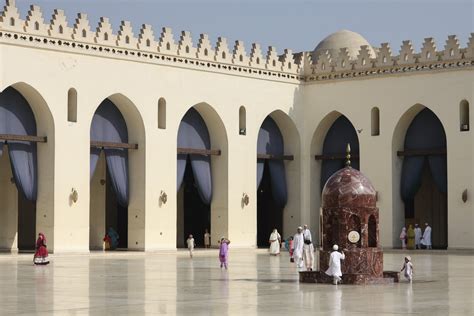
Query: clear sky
(295,24)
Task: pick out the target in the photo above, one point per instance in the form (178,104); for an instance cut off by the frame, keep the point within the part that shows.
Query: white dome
(343,39)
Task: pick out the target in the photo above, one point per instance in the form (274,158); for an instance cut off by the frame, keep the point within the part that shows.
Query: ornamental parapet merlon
(149,46)
(80,34)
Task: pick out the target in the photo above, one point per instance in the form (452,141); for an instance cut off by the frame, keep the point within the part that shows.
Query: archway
(110,176)
(18,171)
(201,176)
(423,181)
(277,172)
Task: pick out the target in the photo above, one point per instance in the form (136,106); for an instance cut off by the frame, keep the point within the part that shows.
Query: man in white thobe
(334,269)
(417,237)
(426,239)
(298,242)
(308,249)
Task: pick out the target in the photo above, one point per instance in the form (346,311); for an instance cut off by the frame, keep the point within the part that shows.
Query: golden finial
(348,155)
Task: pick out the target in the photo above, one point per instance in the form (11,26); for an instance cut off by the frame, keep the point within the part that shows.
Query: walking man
(298,242)
(308,249)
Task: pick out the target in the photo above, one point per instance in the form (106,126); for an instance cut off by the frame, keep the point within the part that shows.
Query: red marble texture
(355,279)
(367,261)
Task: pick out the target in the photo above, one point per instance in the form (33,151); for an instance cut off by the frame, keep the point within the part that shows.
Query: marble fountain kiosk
(350,219)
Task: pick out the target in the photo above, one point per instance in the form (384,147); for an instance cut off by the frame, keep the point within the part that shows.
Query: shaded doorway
(341,133)
(26,223)
(194,216)
(194,179)
(272,194)
(269,213)
(116,215)
(424,176)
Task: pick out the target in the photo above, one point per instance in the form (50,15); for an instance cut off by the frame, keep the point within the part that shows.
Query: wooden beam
(24,138)
(336,157)
(275,157)
(202,152)
(113,145)
(422,152)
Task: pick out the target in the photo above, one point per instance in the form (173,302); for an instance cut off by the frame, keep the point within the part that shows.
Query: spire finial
(348,155)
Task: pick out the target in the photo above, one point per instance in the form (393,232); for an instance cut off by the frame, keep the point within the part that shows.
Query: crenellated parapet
(162,48)
(144,45)
(327,65)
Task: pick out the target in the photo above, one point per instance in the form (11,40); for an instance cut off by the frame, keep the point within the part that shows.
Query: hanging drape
(193,134)
(270,142)
(16,117)
(425,132)
(108,125)
(341,133)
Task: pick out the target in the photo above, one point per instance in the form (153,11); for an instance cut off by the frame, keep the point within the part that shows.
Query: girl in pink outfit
(223,251)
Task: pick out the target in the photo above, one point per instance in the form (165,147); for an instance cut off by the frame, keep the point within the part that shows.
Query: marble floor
(122,283)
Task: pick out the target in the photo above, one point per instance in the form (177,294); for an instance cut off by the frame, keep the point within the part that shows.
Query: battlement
(79,37)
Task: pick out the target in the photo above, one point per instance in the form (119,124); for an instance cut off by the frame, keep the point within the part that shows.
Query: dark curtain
(341,133)
(108,125)
(424,132)
(193,133)
(270,142)
(16,117)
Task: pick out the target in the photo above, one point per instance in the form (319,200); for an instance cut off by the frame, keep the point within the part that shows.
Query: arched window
(241,58)
(12,21)
(187,49)
(168,46)
(72,105)
(258,60)
(84,33)
(127,39)
(375,121)
(223,55)
(206,52)
(37,26)
(372,229)
(106,36)
(161,113)
(242,121)
(274,63)
(148,43)
(61,29)
(464,116)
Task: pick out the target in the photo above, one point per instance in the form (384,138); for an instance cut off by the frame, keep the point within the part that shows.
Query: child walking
(223,251)
(408,267)
(190,242)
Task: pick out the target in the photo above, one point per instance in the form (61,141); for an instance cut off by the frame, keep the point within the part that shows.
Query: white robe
(275,243)
(417,235)
(335,264)
(298,243)
(427,236)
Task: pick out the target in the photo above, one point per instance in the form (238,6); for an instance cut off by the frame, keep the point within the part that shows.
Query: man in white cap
(298,242)
(334,269)
(426,239)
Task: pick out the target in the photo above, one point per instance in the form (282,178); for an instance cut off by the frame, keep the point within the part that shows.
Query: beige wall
(303,112)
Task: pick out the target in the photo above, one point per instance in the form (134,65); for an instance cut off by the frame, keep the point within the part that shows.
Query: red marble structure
(348,206)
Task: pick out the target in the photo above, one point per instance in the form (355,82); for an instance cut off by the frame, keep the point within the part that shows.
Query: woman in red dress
(41,254)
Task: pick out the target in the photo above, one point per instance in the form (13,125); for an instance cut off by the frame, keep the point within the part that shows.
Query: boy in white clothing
(190,242)
(408,267)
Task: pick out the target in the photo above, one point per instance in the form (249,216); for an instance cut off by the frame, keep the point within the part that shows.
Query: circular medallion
(353,236)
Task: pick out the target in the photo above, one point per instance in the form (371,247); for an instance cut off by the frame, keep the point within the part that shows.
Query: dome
(350,188)
(343,39)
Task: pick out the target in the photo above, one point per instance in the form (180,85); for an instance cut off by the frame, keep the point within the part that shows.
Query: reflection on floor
(172,283)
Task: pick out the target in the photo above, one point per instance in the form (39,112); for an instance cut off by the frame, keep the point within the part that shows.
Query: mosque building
(160,137)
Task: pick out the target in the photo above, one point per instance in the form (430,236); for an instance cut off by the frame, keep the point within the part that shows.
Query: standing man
(417,237)
(308,249)
(426,239)
(334,269)
(298,242)
(207,239)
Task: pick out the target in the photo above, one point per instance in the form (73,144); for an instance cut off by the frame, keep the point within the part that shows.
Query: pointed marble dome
(343,39)
(348,187)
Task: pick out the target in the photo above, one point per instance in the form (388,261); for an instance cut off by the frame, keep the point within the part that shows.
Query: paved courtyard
(171,283)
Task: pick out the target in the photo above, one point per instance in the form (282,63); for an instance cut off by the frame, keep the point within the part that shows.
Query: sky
(295,24)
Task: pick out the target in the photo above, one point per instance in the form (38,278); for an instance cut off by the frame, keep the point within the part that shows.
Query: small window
(127,39)
(161,113)
(12,21)
(37,26)
(241,58)
(428,55)
(106,36)
(72,105)
(451,52)
(289,65)
(343,63)
(168,46)
(206,52)
(375,121)
(323,66)
(187,49)
(61,29)
(405,58)
(274,63)
(464,116)
(258,60)
(223,55)
(242,121)
(363,61)
(384,59)
(84,33)
(148,43)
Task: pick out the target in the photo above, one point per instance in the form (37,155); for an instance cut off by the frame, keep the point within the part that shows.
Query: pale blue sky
(295,24)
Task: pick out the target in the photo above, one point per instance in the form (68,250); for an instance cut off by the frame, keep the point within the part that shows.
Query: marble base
(358,261)
(389,277)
